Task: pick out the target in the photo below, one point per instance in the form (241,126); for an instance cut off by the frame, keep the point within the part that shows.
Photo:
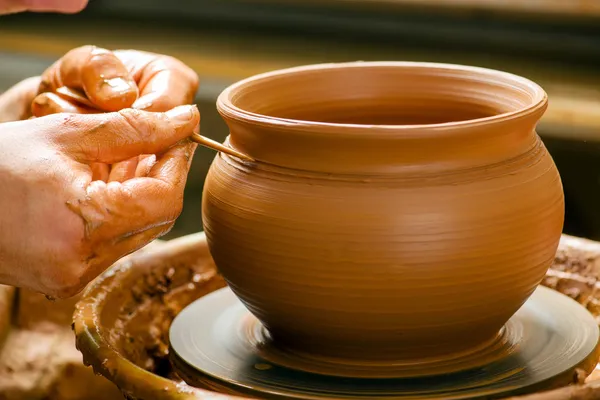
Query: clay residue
(576,272)
(44,364)
(38,358)
(139,298)
(141,329)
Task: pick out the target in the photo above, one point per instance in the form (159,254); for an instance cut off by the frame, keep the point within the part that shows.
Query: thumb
(113,137)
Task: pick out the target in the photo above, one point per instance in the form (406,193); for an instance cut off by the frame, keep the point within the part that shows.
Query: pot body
(418,246)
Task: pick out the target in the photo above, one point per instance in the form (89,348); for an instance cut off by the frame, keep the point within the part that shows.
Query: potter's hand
(15,103)
(116,80)
(113,81)
(59,229)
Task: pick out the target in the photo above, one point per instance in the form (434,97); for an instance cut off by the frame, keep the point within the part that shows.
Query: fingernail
(119,84)
(41,100)
(182,113)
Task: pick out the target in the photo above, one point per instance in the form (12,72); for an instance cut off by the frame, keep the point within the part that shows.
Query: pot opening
(385,94)
(391,112)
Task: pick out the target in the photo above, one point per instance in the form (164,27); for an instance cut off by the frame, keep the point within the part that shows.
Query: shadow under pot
(396,212)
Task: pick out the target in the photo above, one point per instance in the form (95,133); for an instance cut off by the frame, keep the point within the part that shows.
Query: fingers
(135,167)
(114,137)
(116,210)
(173,166)
(164,82)
(120,217)
(106,81)
(124,170)
(110,80)
(145,165)
(50,103)
(98,72)
(74,96)
(107,254)
(100,171)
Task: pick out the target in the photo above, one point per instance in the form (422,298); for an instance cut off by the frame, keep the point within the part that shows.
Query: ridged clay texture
(395,212)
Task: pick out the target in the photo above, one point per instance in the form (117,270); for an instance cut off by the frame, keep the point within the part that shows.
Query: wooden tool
(211,144)
(78,97)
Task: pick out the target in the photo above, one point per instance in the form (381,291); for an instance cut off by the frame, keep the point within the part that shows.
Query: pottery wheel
(216,343)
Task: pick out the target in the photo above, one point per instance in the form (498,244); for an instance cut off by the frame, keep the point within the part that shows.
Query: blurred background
(554,42)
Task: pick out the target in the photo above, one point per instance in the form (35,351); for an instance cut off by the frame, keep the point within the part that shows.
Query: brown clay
(122,322)
(116,89)
(51,103)
(99,73)
(109,317)
(395,211)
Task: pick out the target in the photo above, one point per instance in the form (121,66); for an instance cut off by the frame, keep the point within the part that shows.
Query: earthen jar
(396,211)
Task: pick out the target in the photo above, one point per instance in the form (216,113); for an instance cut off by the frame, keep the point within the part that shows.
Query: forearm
(15,104)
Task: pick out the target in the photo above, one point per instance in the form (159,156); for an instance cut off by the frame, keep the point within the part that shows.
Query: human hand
(112,81)
(60,229)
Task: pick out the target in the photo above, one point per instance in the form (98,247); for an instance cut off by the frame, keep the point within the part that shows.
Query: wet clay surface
(375,243)
(135,322)
(574,255)
(140,325)
(141,328)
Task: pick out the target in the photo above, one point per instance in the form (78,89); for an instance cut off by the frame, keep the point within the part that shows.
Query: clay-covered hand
(60,228)
(15,103)
(114,80)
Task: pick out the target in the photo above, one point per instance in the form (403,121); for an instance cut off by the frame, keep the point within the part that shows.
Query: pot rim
(228,110)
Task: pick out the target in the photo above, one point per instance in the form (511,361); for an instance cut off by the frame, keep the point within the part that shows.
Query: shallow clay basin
(123,319)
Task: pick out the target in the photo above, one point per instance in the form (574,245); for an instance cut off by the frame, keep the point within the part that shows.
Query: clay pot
(121,332)
(396,211)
